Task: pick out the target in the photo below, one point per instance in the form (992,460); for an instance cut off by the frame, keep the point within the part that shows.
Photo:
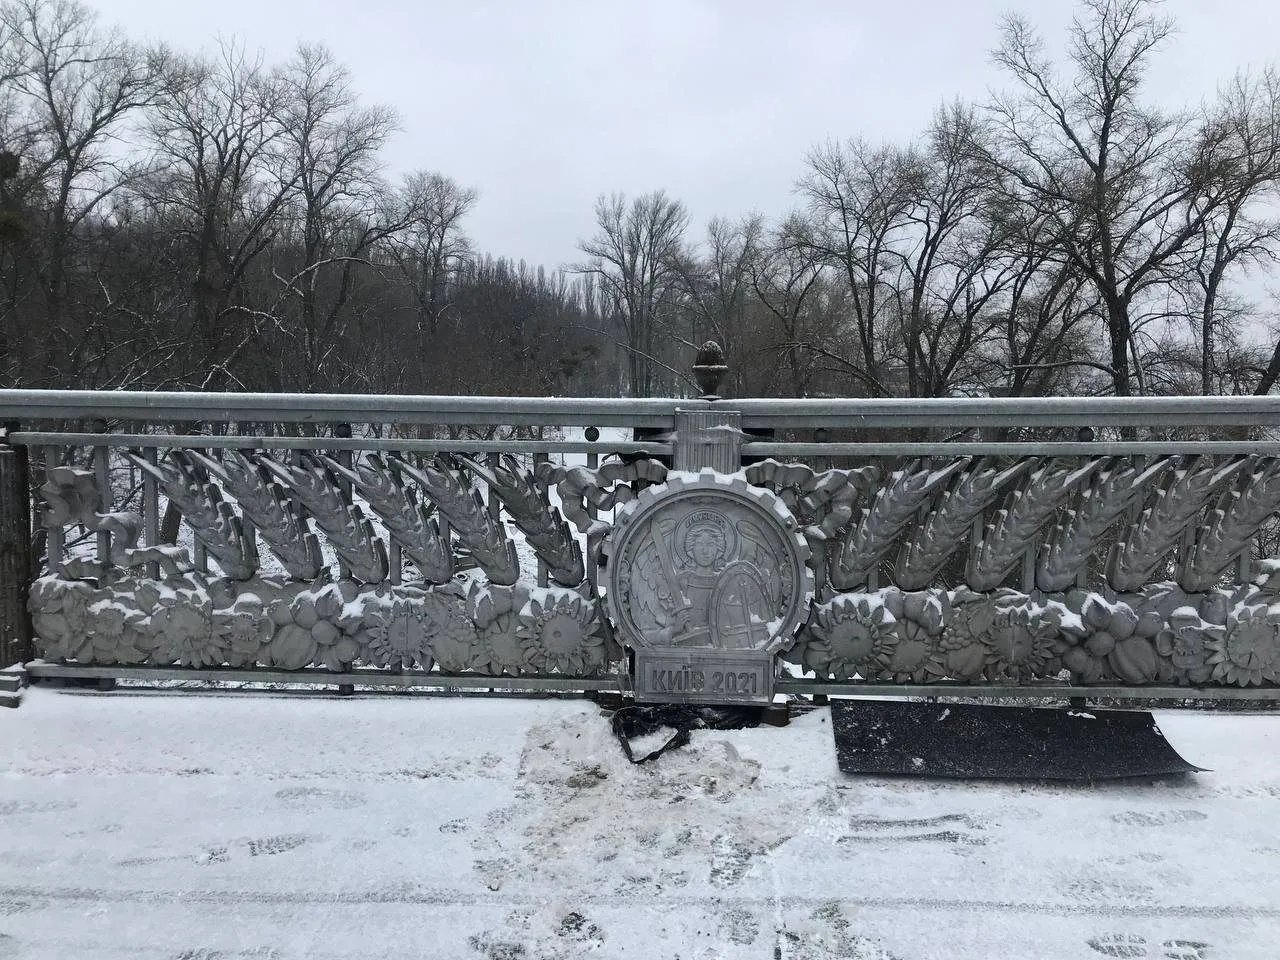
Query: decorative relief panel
(197,622)
(1100,569)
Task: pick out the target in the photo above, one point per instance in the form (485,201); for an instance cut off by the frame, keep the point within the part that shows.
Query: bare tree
(635,259)
(786,280)
(431,247)
(858,197)
(717,281)
(74,88)
(222,184)
(954,264)
(1123,183)
(1241,231)
(335,213)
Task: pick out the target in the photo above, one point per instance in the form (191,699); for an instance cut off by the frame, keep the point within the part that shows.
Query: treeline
(179,222)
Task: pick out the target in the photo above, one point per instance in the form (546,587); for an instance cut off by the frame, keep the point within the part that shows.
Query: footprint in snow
(1130,946)
(1125,946)
(16,808)
(310,798)
(264,847)
(730,860)
(739,926)
(574,926)
(1157,818)
(1185,950)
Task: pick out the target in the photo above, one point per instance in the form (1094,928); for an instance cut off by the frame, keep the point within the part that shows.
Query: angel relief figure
(705,579)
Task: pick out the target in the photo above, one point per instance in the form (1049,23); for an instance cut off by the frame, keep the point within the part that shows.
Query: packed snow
(146,825)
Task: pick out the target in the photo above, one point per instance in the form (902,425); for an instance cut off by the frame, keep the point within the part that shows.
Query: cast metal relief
(707,562)
(707,579)
(1109,569)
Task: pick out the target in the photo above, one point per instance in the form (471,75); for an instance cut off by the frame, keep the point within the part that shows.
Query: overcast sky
(542,106)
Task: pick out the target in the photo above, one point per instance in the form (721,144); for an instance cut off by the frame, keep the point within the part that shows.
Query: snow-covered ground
(217,827)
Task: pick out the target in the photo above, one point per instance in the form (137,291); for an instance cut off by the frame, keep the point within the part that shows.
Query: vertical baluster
(343,432)
(975,538)
(821,462)
(1186,549)
(395,554)
(53,458)
(1029,570)
(492,504)
(102,479)
(592,434)
(493,460)
(250,538)
(538,460)
(1084,435)
(819,549)
(15,552)
(293,457)
(396,560)
(1244,563)
(446,531)
(1187,542)
(151,511)
(346,458)
(200,553)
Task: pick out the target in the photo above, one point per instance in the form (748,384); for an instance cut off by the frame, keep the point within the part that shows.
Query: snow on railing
(242,533)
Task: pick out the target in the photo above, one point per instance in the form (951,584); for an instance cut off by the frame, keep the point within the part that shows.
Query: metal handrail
(394,444)
(29,406)
(1031,448)
(655,447)
(33,405)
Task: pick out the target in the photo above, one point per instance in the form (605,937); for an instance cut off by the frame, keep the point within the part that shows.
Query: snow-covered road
(211,828)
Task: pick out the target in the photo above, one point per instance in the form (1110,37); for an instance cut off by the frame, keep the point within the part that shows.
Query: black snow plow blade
(999,743)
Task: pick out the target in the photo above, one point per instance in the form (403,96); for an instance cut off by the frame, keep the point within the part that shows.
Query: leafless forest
(177,222)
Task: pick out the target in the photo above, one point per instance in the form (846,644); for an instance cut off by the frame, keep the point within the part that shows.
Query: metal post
(15,554)
(708,438)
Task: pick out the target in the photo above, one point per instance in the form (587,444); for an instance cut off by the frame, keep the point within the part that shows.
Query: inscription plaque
(706,581)
(675,675)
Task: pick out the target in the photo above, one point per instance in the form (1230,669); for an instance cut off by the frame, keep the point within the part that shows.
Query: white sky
(542,106)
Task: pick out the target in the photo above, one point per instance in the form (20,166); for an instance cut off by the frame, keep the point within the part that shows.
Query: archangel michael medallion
(706,581)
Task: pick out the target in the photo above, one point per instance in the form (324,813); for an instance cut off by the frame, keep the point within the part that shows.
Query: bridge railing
(1004,545)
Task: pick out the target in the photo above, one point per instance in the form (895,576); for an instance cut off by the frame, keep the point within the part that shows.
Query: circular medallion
(707,561)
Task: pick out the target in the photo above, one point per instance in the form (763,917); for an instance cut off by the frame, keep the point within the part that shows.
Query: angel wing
(650,594)
(755,549)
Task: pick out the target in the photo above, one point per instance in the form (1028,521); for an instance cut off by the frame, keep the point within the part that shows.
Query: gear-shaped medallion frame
(707,579)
